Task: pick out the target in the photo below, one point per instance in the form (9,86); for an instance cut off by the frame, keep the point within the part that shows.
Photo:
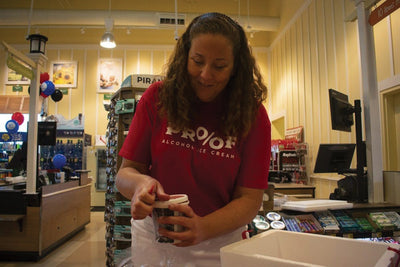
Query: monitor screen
(334,158)
(341,111)
(47,131)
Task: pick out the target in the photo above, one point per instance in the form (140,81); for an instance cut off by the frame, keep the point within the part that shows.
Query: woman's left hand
(194,231)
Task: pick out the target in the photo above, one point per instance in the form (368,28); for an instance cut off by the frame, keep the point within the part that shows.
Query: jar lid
(174,199)
(279,225)
(273,216)
(262,226)
(258,218)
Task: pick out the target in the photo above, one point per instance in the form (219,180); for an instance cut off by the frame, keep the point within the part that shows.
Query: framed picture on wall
(109,75)
(14,78)
(64,74)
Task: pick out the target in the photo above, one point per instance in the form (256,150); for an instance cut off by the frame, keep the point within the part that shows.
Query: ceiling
(135,21)
(15,103)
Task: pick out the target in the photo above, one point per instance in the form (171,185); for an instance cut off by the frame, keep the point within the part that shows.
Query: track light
(107,40)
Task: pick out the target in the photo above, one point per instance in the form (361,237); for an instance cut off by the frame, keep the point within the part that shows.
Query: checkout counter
(35,221)
(33,225)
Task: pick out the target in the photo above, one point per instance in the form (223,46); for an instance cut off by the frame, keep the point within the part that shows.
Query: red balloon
(44,77)
(43,95)
(18,117)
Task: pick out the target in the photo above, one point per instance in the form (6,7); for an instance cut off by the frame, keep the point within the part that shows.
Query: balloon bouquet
(12,125)
(47,88)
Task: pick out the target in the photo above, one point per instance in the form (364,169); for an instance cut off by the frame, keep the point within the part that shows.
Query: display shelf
(356,222)
(288,159)
(120,113)
(294,190)
(117,212)
(70,143)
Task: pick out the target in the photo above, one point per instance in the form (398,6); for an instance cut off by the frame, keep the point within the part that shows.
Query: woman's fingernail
(152,189)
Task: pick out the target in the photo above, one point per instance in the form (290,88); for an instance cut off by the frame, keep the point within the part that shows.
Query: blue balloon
(59,161)
(47,88)
(12,126)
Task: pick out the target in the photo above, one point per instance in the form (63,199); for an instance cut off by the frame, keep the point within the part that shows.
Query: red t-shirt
(198,162)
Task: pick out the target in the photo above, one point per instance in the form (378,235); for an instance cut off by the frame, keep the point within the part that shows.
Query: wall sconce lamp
(107,40)
(37,43)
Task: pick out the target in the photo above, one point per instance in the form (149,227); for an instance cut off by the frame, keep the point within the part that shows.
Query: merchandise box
(295,133)
(280,248)
(328,222)
(305,223)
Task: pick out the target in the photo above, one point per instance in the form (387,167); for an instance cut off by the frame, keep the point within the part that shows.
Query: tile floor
(87,248)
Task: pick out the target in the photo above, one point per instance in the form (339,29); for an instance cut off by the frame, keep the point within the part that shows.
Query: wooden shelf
(297,190)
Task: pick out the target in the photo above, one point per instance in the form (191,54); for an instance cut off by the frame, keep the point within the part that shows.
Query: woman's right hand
(142,202)
(134,183)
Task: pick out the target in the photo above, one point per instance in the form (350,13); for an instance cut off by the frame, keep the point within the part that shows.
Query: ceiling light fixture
(107,40)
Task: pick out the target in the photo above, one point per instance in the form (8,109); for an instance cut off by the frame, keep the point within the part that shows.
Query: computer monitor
(334,158)
(341,111)
(47,133)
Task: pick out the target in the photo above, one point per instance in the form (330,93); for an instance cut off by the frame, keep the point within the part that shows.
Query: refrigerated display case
(101,166)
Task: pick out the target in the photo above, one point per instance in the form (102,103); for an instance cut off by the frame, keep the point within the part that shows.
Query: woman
(203,132)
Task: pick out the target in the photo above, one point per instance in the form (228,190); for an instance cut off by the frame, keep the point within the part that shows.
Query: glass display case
(101,166)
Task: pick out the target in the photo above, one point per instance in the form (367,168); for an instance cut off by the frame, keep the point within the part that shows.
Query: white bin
(280,248)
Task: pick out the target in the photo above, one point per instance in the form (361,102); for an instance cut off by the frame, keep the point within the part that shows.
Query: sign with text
(295,133)
(383,11)
(141,80)
(17,88)
(144,81)
(13,137)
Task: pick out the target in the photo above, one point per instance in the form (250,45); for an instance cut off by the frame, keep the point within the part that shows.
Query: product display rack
(109,215)
(366,222)
(117,213)
(117,208)
(72,146)
(288,162)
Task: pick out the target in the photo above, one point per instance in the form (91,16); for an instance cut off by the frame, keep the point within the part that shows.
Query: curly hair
(243,94)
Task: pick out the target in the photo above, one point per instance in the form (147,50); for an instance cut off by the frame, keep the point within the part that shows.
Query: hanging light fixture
(107,40)
(37,43)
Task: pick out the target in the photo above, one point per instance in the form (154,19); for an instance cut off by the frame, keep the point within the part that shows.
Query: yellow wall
(321,51)
(278,128)
(136,59)
(84,98)
(318,50)
(387,45)
(391,122)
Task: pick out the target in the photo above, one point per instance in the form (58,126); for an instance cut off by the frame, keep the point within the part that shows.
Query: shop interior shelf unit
(71,143)
(117,207)
(289,164)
